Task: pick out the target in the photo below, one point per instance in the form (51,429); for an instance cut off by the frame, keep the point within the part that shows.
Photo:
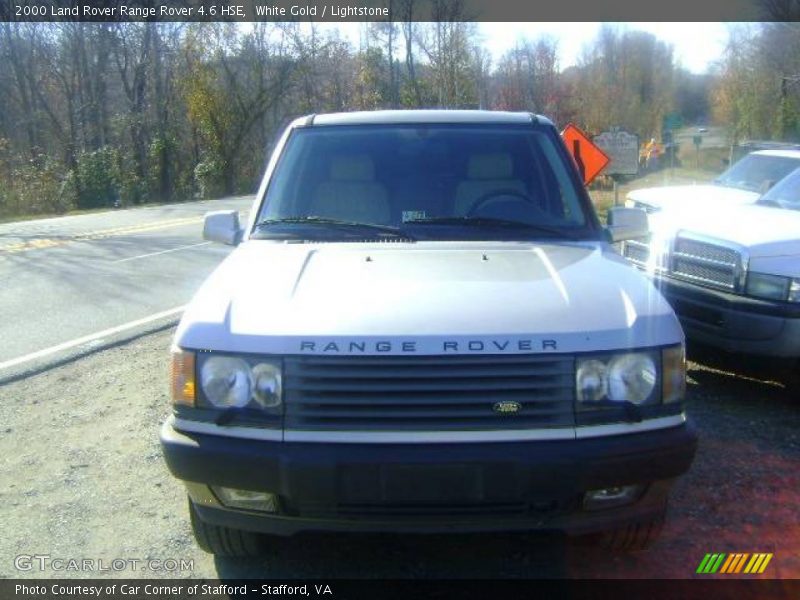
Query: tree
(231,83)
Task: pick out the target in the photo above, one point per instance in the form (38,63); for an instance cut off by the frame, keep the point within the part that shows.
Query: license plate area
(411,484)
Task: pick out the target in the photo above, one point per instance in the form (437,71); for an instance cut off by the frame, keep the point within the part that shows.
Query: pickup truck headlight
(640,378)
(794,291)
(770,287)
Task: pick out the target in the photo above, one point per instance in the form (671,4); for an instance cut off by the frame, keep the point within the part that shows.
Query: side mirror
(222,226)
(626,224)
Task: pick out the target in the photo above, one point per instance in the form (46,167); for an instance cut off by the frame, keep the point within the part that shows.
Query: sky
(696,45)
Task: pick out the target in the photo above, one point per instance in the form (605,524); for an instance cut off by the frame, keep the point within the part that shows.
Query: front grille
(636,251)
(428,393)
(705,263)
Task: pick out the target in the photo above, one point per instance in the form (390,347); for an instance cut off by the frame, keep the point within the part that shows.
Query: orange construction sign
(589,159)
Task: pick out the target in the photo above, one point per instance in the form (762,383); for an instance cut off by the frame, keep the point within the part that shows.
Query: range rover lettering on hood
(412,346)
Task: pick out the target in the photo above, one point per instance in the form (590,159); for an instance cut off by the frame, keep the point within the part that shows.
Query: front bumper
(734,323)
(484,486)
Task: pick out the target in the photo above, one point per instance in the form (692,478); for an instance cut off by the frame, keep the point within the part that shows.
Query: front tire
(224,541)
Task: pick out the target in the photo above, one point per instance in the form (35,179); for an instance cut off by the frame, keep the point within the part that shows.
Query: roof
(420,116)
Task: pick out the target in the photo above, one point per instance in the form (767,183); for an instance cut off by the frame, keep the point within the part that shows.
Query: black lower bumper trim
(546,478)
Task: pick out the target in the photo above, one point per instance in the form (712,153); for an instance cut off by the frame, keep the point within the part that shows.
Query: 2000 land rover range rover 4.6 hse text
(425,328)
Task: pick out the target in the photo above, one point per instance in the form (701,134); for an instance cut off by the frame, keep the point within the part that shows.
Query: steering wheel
(490,196)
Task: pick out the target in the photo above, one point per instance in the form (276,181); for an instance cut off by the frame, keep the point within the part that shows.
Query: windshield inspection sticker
(413,215)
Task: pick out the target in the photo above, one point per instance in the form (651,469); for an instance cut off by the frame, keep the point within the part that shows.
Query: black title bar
(396,10)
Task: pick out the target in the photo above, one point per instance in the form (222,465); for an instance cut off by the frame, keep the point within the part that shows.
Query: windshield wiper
(492,222)
(316,220)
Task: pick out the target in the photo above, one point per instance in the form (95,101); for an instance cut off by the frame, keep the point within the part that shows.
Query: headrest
(497,165)
(357,167)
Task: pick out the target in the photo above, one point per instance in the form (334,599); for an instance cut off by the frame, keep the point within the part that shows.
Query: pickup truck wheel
(224,541)
(633,537)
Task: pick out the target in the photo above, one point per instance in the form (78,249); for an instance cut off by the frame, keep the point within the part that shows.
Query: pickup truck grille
(692,260)
(705,263)
(637,251)
(428,393)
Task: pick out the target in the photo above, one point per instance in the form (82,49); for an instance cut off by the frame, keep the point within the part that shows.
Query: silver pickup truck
(424,328)
(731,270)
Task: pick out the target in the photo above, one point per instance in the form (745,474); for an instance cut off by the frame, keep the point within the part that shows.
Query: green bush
(208,176)
(96,176)
(34,188)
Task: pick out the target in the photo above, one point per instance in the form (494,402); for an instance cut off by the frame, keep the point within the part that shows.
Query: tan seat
(351,192)
(486,173)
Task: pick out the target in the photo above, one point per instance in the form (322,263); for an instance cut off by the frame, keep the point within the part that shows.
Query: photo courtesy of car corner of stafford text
(409,297)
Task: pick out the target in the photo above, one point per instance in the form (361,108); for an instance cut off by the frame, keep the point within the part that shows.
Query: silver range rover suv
(424,328)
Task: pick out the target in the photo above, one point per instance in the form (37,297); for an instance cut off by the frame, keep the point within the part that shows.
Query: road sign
(589,159)
(672,121)
(623,150)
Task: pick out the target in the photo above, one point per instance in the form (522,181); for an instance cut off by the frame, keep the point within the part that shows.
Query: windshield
(423,182)
(758,172)
(785,194)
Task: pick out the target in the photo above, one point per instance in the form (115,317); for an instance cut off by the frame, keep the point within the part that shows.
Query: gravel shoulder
(83,477)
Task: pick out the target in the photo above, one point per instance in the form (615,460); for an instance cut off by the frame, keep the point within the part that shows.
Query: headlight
(267,385)
(239,382)
(794,291)
(640,378)
(227,381)
(770,287)
(592,380)
(631,378)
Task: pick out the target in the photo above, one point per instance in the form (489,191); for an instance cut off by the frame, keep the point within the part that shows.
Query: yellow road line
(97,235)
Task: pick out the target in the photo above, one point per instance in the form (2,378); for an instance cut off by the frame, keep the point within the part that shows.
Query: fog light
(246,499)
(611,497)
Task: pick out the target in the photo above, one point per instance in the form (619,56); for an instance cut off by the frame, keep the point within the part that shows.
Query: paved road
(69,277)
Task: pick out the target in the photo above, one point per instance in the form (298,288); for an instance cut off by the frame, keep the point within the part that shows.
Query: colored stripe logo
(734,563)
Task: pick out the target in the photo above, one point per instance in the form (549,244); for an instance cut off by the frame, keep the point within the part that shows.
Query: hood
(688,197)
(483,297)
(764,231)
